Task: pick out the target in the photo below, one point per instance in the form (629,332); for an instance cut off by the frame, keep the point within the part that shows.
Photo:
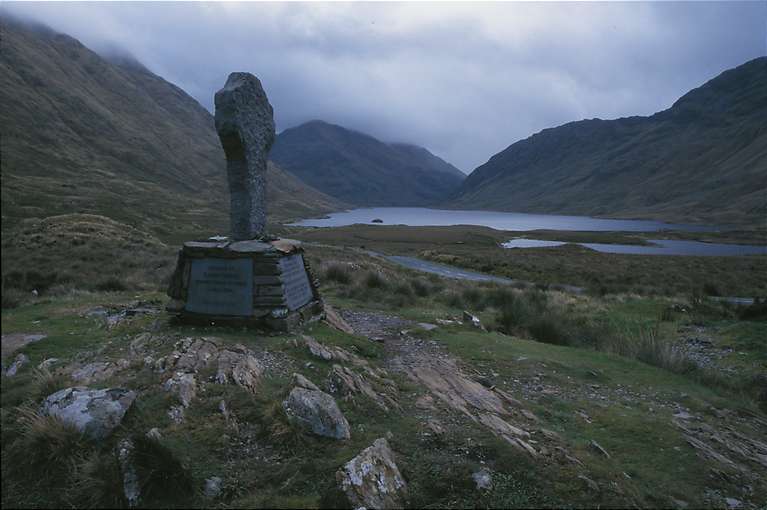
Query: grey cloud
(464,80)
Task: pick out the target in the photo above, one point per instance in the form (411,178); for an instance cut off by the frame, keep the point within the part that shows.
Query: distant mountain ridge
(85,134)
(359,169)
(703,159)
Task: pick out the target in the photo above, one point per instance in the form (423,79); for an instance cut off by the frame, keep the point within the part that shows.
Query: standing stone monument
(248,277)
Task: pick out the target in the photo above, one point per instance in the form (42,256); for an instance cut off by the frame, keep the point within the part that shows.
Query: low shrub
(45,383)
(46,447)
(473,298)
(549,330)
(95,481)
(13,298)
(164,479)
(339,273)
(374,280)
(757,311)
(421,287)
(111,284)
(710,289)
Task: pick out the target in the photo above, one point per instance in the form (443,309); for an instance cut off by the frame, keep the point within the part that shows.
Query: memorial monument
(247,277)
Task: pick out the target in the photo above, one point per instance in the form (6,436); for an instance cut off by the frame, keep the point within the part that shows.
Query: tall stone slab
(248,278)
(245,125)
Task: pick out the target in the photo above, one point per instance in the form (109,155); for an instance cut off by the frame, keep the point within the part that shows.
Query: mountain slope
(704,159)
(81,134)
(358,169)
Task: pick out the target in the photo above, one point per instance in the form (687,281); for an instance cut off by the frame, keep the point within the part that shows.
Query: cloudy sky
(463,80)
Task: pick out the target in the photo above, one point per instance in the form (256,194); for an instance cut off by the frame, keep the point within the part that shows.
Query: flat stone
(220,286)
(203,244)
(298,290)
(266,269)
(286,245)
(251,246)
(267,280)
(94,372)
(270,290)
(302,382)
(334,319)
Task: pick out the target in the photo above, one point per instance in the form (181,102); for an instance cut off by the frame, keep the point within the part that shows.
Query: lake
(419,216)
(658,247)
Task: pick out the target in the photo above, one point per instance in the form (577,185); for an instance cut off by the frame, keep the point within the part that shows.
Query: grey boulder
(316,412)
(96,413)
(372,479)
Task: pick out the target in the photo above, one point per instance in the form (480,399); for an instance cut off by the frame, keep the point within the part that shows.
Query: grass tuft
(46,447)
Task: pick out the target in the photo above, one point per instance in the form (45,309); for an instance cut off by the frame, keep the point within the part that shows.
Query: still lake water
(658,247)
(419,216)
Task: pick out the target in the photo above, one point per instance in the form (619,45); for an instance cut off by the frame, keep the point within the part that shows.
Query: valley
(441,368)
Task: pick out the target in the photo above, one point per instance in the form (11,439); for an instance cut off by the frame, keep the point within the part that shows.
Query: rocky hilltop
(703,159)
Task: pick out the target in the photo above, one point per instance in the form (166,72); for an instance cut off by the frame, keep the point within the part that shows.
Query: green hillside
(703,159)
(361,170)
(82,134)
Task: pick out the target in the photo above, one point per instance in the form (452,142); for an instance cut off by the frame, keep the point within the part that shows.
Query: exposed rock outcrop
(131,484)
(184,386)
(239,366)
(316,412)
(94,412)
(19,362)
(372,479)
(334,319)
(98,371)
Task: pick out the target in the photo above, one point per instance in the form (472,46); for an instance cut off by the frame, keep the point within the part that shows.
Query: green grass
(265,462)
(478,248)
(624,430)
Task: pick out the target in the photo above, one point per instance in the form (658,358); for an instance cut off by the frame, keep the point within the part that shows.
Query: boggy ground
(478,248)
(587,423)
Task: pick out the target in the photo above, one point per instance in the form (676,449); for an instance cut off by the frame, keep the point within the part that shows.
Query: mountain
(85,134)
(358,169)
(703,159)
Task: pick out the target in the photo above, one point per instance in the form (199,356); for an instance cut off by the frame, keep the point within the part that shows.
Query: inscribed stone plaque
(221,287)
(298,292)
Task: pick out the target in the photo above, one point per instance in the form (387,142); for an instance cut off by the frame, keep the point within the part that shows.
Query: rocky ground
(387,399)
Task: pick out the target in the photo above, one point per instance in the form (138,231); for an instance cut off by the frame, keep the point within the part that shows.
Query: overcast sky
(463,80)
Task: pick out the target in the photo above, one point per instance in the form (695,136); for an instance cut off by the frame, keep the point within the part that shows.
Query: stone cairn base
(256,283)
